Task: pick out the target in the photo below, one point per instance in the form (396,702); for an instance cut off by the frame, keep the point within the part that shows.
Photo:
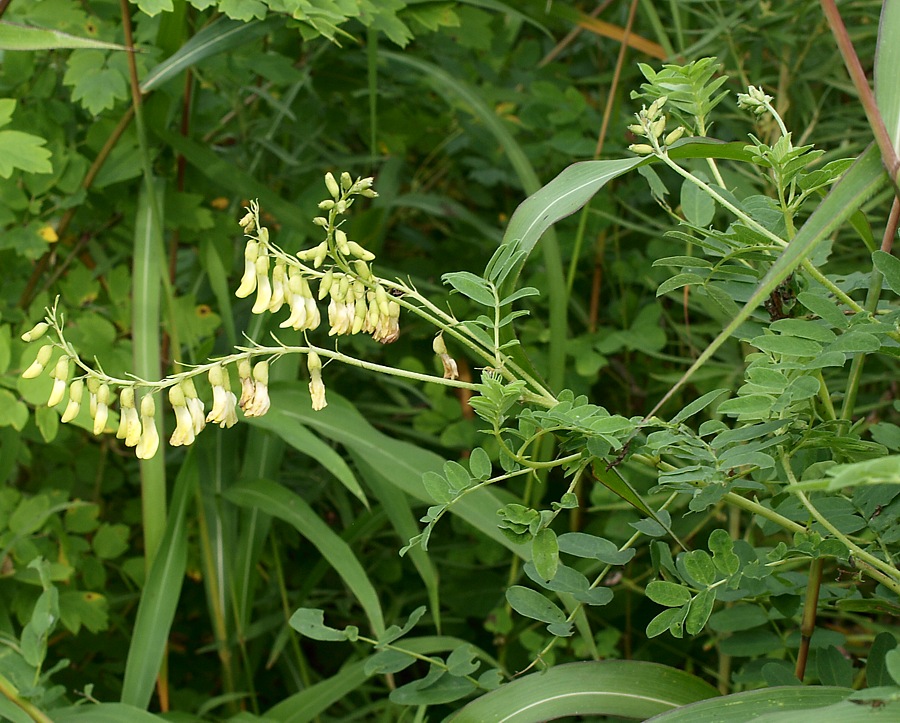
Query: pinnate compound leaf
(532,604)
(545,553)
(395,632)
(668,593)
(472,286)
(311,623)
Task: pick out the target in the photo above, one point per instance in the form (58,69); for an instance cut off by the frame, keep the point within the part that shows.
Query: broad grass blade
(621,688)
(220,36)
(887,61)
(104,713)
(280,502)
(160,596)
(22,37)
(752,704)
(402,463)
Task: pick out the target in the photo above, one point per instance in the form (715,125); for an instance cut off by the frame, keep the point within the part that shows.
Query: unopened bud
(37,331)
(642,149)
(360,252)
(332,186)
(346,181)
(674,135)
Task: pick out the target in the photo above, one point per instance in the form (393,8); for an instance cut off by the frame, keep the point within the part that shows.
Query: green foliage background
(208,560)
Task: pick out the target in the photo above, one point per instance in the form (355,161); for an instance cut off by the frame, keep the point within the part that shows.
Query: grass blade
(624,688)
(887,60)
(104,713)
(219,36)
(275,500)
(341,422)
(22,37)
(160,596)
(756,703)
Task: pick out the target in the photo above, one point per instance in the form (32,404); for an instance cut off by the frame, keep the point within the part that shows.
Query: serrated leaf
(668,593)
(23,151)
(471,286)
(96,86)
(545,553)
(532,604)
(311,623)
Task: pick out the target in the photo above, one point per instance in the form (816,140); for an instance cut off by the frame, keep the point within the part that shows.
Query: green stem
(808,622)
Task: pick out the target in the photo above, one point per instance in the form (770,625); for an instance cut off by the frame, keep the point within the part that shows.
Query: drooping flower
(60,381)
(245,374)
(194,405)
(129,423)
(263,285)
(279,290)
(76,389)
(224,402)
(248,280)
(102,415)
(388,328)
(149,441)
(451,371)
(184,425)
(316,385)
(259,403)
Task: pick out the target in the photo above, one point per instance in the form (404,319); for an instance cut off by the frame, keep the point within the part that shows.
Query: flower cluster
(754,100)
(357,299)
(652,125)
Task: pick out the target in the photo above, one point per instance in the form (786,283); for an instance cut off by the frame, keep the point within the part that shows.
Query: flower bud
(360,252)
(642,149)
(40,362)
(332,186)
(340,240)
(60,379)
(326,205)
(36,332)
(346,181)
(102,409)
(325,284)
(321,221)
(368,193)
(76,389)
(674,136)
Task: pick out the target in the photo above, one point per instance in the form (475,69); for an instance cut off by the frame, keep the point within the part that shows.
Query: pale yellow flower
(149,441)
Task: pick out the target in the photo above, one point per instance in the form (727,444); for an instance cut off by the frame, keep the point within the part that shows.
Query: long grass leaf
(619,688)
(22,37)
(887,60)
(104,713)
(402,463)
(280,502)
(147,269)
(301,439)
(159,599)
(220,36)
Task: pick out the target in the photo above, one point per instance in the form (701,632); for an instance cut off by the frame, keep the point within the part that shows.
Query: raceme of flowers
(357,302)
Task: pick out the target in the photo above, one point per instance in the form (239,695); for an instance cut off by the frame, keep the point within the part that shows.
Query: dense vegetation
(635,434)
